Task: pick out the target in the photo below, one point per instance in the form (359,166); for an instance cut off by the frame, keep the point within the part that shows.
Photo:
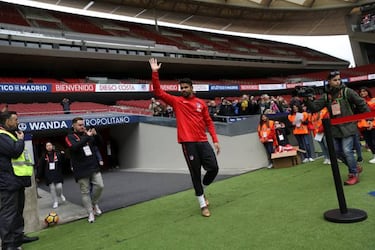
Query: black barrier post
(344,214)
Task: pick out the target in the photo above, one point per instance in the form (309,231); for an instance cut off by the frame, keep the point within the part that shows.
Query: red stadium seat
(9,14)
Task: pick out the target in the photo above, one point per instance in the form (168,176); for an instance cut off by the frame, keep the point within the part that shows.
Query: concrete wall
(154,148)
(31,212)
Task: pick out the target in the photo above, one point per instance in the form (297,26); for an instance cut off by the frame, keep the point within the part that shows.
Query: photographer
(338,99)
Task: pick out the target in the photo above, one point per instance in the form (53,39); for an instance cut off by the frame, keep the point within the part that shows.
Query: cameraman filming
(339,100)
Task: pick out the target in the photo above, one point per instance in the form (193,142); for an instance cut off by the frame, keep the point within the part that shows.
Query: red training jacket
(191,115)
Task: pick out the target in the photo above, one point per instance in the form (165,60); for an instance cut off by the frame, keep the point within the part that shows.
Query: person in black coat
(83,145)
(13,181)
(49,168)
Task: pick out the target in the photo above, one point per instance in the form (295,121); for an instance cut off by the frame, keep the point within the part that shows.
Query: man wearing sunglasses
(339,100)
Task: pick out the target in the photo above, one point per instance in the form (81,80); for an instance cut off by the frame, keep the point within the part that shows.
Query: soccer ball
(51,219)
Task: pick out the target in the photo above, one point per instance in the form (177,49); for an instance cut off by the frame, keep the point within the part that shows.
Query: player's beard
(185,94)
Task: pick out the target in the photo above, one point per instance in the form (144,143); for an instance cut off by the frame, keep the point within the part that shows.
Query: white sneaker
(305,160)
(63,199)
(270,166)
(91,218)
(311,159)
(327,162)
(97,210)
(372,160)
(55,205)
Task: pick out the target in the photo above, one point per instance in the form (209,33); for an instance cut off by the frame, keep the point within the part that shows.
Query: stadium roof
(271,17)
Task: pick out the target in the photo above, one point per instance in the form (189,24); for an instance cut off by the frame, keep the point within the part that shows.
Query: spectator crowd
(305,120)
(247,105)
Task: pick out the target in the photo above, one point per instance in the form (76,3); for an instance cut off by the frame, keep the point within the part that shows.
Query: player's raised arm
(154,64)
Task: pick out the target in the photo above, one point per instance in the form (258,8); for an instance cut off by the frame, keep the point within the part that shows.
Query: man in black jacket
(15,172)
(83,146)
(340,101)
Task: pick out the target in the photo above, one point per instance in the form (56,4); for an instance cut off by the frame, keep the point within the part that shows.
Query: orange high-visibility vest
(302,128)
(266,133)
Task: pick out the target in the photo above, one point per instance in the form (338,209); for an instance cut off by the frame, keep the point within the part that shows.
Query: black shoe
(12,248)
(27,239)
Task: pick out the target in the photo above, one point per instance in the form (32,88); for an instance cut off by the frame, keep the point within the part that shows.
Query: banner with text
(145,87)
(223,87)
(24,88)
(122,87)
(28,126)
(73,87)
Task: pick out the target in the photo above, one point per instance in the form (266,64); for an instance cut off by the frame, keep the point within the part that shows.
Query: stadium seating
(143,104)
(50,108)
(28,80)
(48,25)
(9,14)
(164,36)
(315,76)
(76,80)
(147,33)
(345,73)
(79,24)
(132,110)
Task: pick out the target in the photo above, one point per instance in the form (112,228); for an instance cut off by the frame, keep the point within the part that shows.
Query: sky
(337,46)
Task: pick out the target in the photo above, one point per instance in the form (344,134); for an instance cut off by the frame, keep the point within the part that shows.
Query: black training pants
(11,217)
(197,155)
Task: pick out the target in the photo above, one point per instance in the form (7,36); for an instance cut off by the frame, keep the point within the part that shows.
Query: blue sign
(224,87)
(345,80)
(25,88)
(29,126)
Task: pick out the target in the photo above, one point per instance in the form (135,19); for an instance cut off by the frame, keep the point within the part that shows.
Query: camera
(305,91)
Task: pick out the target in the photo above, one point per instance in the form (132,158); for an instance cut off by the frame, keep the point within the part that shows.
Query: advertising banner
(122,87)
(314,83)
(249,87)
(201,87)
(25,88)
(28,125)
(358,78)
(223,87)
(272,86)
(73,87)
